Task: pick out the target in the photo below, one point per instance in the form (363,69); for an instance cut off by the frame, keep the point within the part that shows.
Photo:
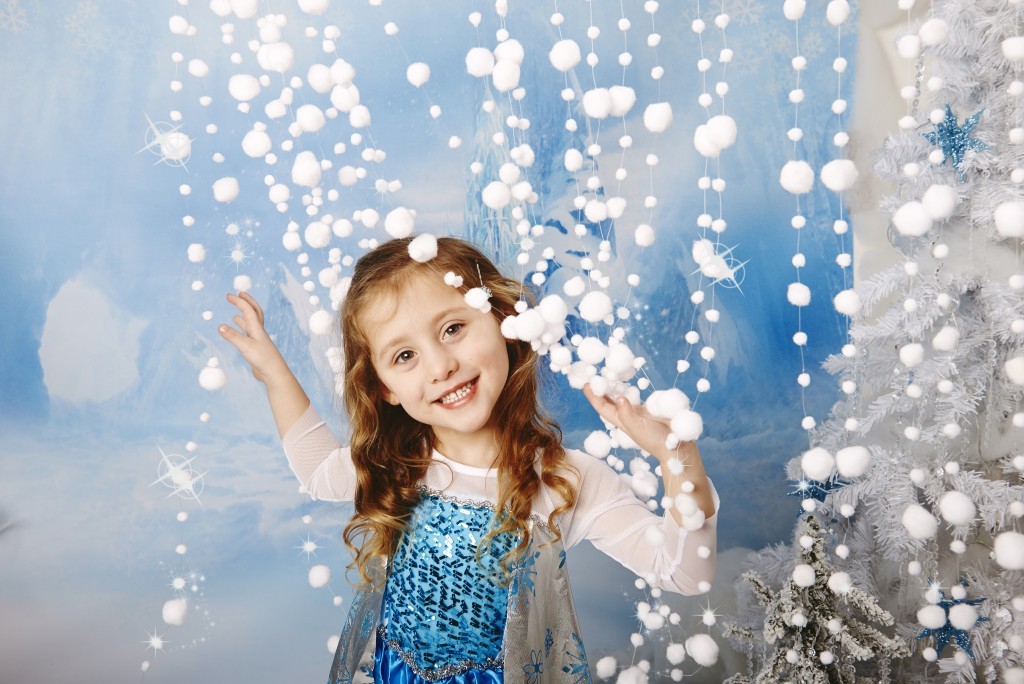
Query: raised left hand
(648,432)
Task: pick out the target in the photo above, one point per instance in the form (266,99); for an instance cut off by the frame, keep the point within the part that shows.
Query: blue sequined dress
(440,616)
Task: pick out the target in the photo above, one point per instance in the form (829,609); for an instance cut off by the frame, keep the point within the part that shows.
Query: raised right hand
(258,350)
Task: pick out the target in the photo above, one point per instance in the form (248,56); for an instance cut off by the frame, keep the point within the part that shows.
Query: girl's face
(444,362)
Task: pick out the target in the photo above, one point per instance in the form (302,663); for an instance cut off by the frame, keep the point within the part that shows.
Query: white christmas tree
(920,466)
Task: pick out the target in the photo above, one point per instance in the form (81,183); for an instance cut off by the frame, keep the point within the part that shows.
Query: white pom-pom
(797,177)
(794,9)
(919,523)
(1009,219)
(675,654)
(1013,48)
(1015,370)
(840,583)
(839,175)
(837,12)
(606,667)
(595,306)
(817,464)
(306,170)
(477,298)
(418,73)
(721,131)
(939,201)
(479,62)
(912,219)
(847,302)
(399,222)
(505,75)
(225,189)
(644,235)
(597,103)
(496,195)
(931,617)
(687,426)
(853,461)
(598,444)
(319,576)
(933,31)
(667,403)
(963,616)
(957,508)
(1009,549)
(658,117)
(798,294)
(623,98)
(321,322)
(564,55)
(703,649)
(423,248)
(175,611)
(803,575)
(946,339)
(912,354)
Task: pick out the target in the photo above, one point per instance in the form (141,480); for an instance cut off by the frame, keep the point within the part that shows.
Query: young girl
(465,500)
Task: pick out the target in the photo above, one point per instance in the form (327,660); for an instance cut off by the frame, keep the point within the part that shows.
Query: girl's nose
(443,365)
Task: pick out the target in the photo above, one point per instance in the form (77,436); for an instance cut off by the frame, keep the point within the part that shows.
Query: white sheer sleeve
(609,514)
(321,464)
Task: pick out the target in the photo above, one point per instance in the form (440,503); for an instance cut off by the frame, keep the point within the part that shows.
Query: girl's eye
(404,357)
(452,329)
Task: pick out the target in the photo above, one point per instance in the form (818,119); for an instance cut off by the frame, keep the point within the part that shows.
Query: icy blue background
(102,336)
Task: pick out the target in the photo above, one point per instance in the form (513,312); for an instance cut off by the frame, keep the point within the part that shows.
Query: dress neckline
(475,471)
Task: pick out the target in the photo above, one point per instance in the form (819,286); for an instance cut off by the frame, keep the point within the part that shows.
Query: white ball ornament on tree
(1009,550)
(933,31)
(912,219)
(1013,48)
(957,508)
(853,461)
(1014,368)
(919,522)
(840,583)
(939,201)
(1009,219)
(945,340)
(803,575)
(931,617)
(963,616)
(797,177)
(839,175)
(817,464)
(912,354)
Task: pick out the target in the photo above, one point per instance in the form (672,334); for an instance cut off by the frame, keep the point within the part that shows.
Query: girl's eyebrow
(397,340)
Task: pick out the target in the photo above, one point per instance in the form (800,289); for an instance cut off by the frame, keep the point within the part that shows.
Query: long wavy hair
(391,451)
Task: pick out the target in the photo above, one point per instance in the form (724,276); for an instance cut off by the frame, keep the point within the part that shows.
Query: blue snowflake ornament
(943,635)
(815,489)
(955,139)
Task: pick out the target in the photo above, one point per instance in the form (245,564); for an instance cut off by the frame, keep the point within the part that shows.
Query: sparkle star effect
(155,641)
(954,139)
(176,472)
(943,635)
(814,489)
(168,142)
(308,547)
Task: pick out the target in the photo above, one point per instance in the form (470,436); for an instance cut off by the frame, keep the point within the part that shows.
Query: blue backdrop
(104,333)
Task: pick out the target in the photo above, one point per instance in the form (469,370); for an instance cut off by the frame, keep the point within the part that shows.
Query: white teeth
(457,394)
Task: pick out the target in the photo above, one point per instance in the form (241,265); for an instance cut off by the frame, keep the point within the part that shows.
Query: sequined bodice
(443,609)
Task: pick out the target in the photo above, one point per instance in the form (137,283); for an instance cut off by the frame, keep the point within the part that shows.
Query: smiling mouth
(457,394)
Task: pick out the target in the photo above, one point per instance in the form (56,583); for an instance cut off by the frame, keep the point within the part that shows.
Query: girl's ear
(389,396)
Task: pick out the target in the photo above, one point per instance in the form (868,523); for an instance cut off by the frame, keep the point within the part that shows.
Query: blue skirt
(389,668)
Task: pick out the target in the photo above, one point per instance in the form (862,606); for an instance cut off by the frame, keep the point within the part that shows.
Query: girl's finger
(230,334)
(254,304)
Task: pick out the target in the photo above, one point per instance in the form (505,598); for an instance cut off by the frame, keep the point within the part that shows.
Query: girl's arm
(650,434)
(287,399)
(320,463)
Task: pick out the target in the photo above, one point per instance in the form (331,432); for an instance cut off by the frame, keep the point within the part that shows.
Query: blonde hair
(391,451)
